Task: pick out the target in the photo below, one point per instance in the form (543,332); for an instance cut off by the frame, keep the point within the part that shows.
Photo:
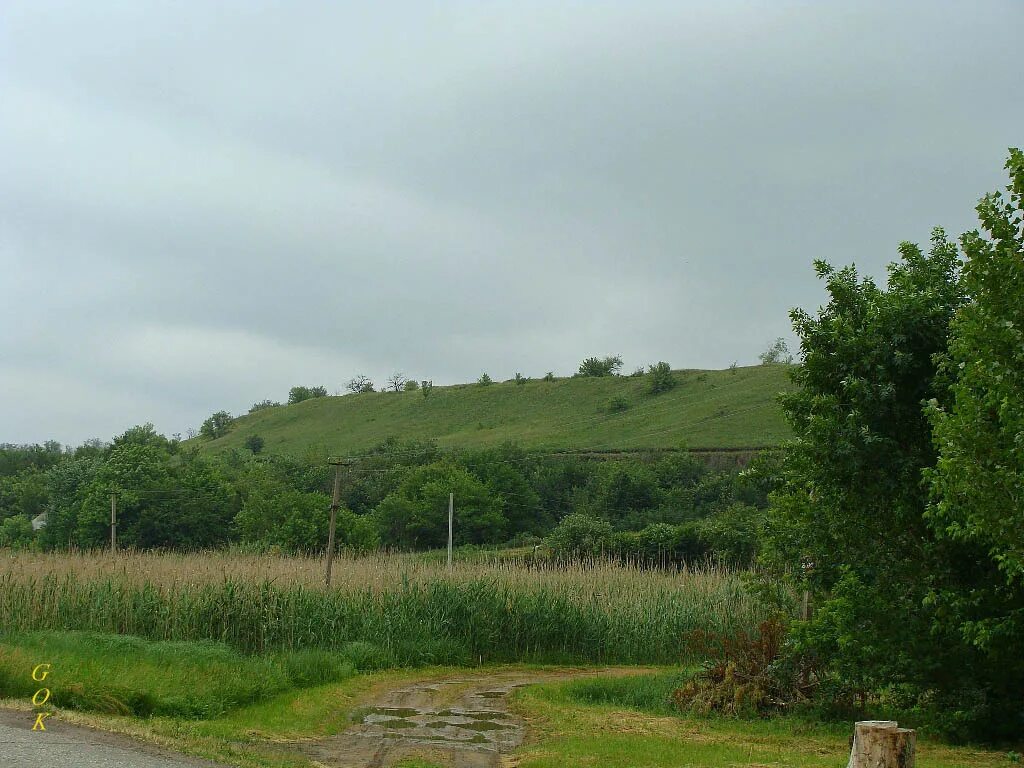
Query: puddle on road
(379,712)
(453,726)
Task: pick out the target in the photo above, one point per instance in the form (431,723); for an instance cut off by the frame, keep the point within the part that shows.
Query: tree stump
(882,744)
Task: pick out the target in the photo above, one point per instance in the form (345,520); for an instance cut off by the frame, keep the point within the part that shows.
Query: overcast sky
(205,203)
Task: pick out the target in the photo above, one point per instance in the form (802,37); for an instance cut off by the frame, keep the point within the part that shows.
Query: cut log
(882,744)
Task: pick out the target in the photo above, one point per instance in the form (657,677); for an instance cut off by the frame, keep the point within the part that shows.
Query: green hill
(708,409)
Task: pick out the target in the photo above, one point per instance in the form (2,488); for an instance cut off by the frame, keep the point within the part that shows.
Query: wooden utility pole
(451,515)
(113,522)
(335,503)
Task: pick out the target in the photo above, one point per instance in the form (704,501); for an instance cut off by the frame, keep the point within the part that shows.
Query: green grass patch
(708,409)
(626,722)
(119,674)
(645,693)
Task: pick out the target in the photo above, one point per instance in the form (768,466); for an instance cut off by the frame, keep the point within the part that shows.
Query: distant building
(39,521)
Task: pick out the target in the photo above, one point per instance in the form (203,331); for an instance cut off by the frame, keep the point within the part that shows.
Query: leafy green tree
(605,366)
(217,425)
(778,352)
(411,385)
(301,394)
(16,532)
(660,378)
(357,533)
(415,515)
(293,520)
(163,500)
(359,384)
(852,503)
(15,458)
(254,443)
(579,535)
(978,482)
(732,536)
(625,493)
(506,471)
(24,493)
(65,484)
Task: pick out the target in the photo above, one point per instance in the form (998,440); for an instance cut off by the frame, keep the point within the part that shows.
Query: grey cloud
(201,205)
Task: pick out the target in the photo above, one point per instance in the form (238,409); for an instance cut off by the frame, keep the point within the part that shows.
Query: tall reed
(413,610)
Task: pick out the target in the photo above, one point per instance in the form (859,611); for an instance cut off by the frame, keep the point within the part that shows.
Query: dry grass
(376,572)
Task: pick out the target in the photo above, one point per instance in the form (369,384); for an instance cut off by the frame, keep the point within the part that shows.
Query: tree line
(659,507)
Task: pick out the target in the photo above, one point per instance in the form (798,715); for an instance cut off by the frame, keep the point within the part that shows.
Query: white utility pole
(451,512)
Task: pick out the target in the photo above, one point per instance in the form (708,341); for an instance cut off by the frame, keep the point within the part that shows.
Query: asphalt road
(67,746)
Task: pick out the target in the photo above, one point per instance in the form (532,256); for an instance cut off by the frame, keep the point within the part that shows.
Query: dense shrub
(660,378)
(618,404)
(217,425)
(744,674)
(300,394)
(578,536)
(263,405)
(605,366)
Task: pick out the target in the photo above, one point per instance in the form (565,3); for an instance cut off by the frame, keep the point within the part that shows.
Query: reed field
(383,610)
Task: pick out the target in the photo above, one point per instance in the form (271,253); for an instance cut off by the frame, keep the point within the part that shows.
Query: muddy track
(463,721)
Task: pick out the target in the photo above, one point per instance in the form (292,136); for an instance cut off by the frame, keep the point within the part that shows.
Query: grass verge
(627,722)
(124,675)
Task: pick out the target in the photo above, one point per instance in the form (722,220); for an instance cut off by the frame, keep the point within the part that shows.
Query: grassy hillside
(709,409)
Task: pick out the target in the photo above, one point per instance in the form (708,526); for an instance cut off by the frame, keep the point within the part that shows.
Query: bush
(605,366)
(263,405)
(520,379)
(661,378)
(778,352)
(578,535)
(618,404)
(217,425)
(485,380)
(299,394)
(411,385)
(743,675)
(254,443)
(16,532)
(549,376)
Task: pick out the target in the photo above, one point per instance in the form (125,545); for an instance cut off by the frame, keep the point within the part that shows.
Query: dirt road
(463,722)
